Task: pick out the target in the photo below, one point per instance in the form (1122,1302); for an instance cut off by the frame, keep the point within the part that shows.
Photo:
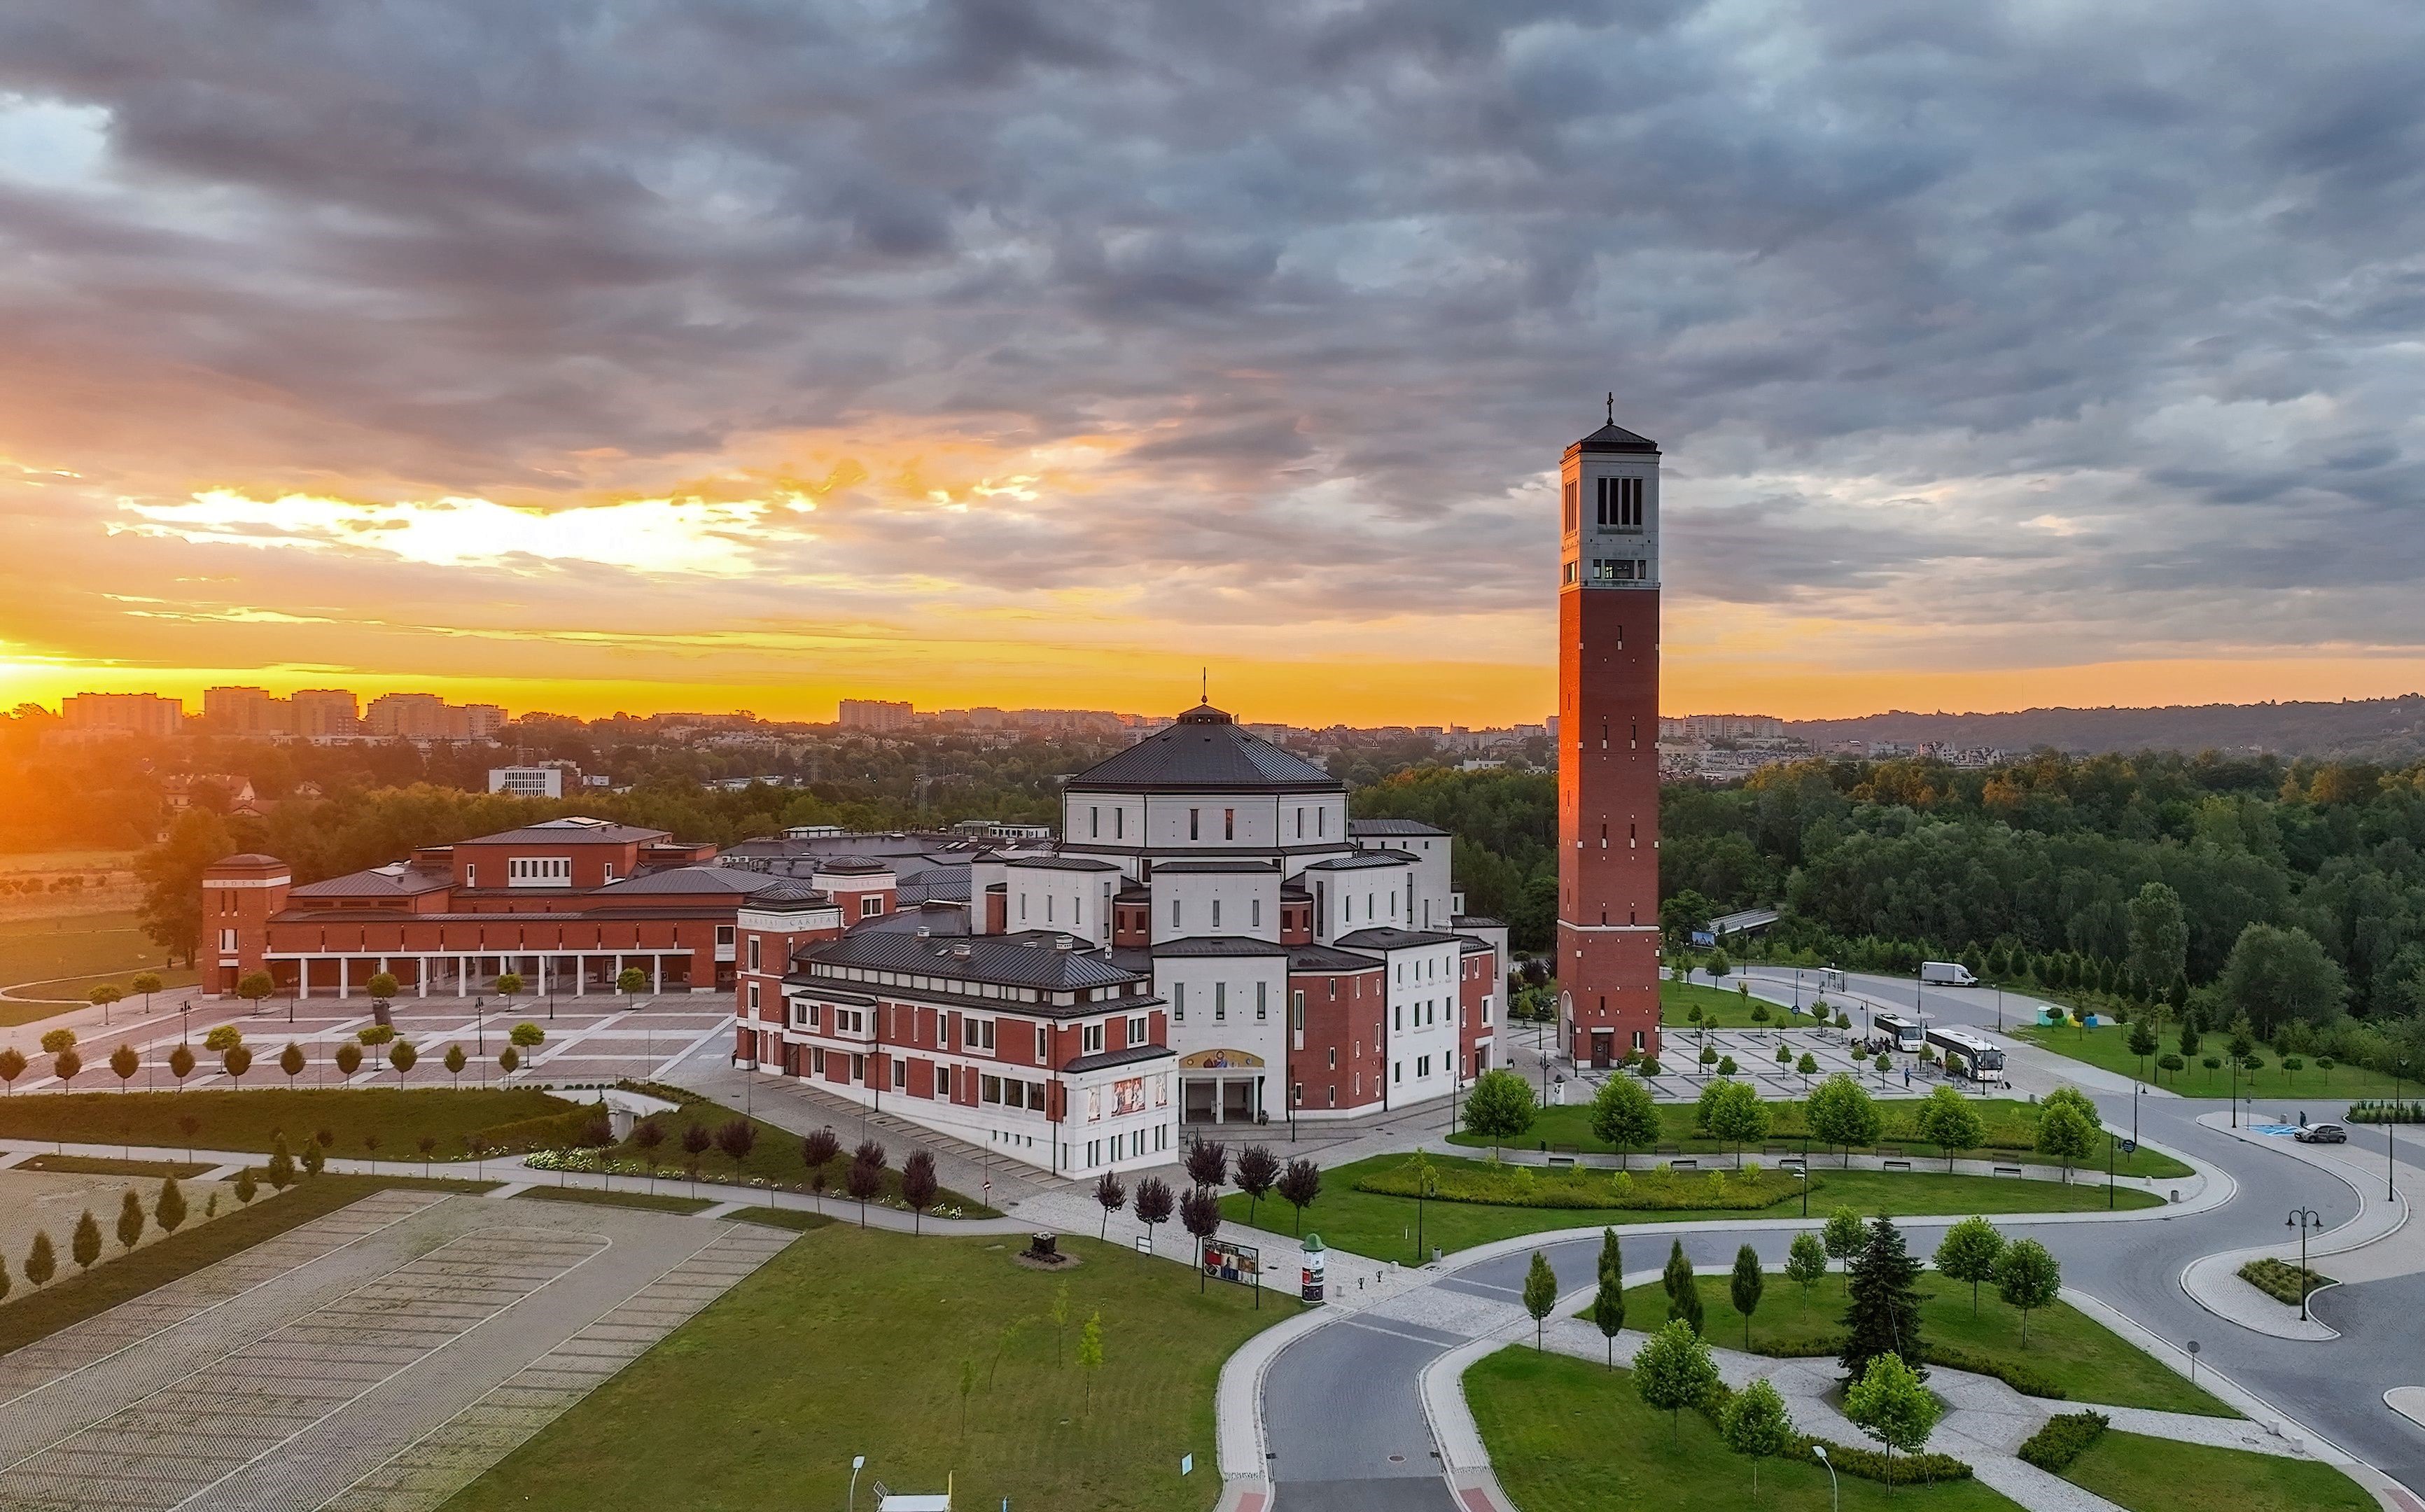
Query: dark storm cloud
(1862,267)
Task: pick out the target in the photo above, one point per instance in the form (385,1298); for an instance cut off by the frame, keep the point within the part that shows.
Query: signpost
(1226,1260)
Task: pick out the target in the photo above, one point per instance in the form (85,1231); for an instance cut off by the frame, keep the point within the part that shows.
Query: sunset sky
(716,354)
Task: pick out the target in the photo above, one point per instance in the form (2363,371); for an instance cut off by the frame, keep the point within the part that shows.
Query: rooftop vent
(961,951)
(1062,941)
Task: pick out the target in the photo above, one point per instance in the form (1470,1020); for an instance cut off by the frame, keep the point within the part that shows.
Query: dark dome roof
(787,894)
(1204,752)
(1613,438)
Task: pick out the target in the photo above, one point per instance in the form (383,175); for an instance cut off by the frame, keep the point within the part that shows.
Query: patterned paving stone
(378,1358)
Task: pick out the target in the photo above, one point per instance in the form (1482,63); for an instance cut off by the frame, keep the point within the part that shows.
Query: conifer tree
(1883,1317)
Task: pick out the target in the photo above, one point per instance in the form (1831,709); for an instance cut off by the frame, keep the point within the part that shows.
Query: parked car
(2321,1134)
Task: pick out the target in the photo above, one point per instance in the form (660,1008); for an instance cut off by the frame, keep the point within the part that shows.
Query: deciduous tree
(1499,1107)
(1624,1115)
(919,1186)
(1969,1252)
(1744,1286)
(1757,1424)
(1608,1300)
(1298,1186)
(1842,1112)
(1111,1196)
(1805,1262)
(1257,1169)
(1674,1371)
(2028,1277)
(1889,1404)
(1946,1117)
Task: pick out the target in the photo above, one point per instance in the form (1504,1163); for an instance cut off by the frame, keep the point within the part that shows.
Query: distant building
(140,713)
(1722,727)
(879,715)
(324,712)
(427,717)
(545,781)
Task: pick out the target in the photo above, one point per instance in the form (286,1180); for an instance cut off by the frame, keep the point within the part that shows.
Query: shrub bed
(2383,1110)
(1851,1459)
(2280,1279)
(2063,1439)
(1523,1186)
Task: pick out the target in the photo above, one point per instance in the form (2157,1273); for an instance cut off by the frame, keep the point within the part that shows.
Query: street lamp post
(2390,1147)
(2304,1219)
(858,1463)
(1835,1491)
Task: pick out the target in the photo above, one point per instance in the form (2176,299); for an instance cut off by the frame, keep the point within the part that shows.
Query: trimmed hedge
(1655,1191)
(1871,1465)
(1849,1460)
(2063,1439)
(2020,1378)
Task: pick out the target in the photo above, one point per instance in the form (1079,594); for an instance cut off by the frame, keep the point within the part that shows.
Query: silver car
(2321,1134)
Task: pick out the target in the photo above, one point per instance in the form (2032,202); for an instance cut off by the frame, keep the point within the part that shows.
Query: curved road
(1347,1431)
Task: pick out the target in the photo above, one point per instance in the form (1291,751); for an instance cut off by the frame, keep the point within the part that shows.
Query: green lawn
(1722,1007)
(775,1160)
(2162,1475)
(72,953)
(397,1116)
(854,1342)
(2011,1130)
(107,1165)
(1384,1227)
(796,1219)
(76,1295)
(2108,1046)
(2066,1348)
(1567,1436)
(647,1201)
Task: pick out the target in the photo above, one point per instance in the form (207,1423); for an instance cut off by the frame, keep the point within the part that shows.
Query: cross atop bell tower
(1607,745)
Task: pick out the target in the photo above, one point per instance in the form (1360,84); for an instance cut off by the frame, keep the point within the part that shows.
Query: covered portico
(1221,1087)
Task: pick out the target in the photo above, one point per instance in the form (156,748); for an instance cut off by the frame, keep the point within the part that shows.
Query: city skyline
(622,390)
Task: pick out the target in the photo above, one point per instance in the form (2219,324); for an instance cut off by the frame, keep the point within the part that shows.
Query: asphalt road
(1346,1429)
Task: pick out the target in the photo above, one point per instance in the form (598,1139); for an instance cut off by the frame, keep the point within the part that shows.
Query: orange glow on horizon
(1309,694)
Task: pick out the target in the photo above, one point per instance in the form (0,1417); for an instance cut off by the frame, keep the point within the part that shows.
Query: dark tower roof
(1204,752)
(1615,438)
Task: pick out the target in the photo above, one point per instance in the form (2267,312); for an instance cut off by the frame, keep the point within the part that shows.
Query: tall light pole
(2390,1154)
(1835,1491)
(2304,1219)
(858,1463)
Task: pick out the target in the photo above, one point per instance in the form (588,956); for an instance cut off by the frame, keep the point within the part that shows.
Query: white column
(580,974)
(344,977)
(420,975)
(542,976)
(657,983)
(302,978)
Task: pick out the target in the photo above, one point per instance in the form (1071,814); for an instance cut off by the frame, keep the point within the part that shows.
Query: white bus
(1968,1054)
(1893,1031)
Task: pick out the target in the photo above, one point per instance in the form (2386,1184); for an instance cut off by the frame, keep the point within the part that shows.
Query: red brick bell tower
(1608,746)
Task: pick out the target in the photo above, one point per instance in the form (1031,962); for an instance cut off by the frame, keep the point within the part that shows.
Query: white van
(1945,973)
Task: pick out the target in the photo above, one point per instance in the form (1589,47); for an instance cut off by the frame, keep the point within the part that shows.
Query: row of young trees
(235,1057)
(1840,1112)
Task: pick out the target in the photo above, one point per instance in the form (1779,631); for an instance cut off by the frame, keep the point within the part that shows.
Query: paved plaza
(380,1356)
(596,1039)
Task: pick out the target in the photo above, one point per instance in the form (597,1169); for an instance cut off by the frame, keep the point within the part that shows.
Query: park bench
(1667,1149)
(2008,1171)
(1684,1163)
(1897,1165)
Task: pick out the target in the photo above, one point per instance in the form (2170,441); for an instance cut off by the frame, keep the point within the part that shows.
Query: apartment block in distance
(877,715)
(140,714)
(427,717)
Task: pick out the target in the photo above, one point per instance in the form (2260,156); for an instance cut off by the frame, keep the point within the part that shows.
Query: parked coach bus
(1968,1054)
(1893,1031)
